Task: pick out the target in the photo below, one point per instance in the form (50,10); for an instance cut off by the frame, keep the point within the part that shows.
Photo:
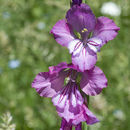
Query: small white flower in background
(6,122)
(45,52)
(50,57)
(99,102)
(119,114)
(111,8)
(41,25)
(14,64)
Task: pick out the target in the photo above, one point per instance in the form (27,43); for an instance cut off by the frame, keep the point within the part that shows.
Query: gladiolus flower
(84,34)
(61,84)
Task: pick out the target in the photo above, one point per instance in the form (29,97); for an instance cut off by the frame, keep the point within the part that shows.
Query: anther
(84,30)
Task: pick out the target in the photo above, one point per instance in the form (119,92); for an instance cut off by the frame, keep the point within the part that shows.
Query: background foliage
(25,40)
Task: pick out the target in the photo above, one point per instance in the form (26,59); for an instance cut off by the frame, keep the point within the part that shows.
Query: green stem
(88,128)
(85,1)
(70,3)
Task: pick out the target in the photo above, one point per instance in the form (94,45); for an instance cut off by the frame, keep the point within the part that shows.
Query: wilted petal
(93,81)
(105,29)
(47,84)
(68,101)
(84,58)
(62,33)
(80,17)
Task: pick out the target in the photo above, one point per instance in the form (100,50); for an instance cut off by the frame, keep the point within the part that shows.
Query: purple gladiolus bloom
(66,96)
(84,34)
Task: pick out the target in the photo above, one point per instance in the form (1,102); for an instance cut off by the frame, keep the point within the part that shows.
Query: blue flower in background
(119,114)
(41,25)
(14,64)
(1,70)
(6,15)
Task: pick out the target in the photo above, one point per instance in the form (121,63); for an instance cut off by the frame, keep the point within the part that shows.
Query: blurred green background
(27,48)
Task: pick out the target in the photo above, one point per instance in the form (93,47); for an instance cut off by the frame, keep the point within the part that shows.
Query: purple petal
(85,115)
(83,57)
(62,33)
(69,105)
(65,125)
(90,117)
(80,17)
(47,84)
(60,67)
(68,126)
(93,81)
(68,102)
(105,29)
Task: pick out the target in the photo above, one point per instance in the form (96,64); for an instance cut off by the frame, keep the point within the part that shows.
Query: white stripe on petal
(78,48)
(72,44)
(94,44)
(74,103)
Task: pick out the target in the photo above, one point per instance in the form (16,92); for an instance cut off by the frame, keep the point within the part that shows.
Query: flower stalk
(88,100)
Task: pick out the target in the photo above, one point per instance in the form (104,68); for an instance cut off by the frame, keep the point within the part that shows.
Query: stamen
(66,81)
(90,35)
(66,69)
(78,79)
(77,34)
(84,30)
